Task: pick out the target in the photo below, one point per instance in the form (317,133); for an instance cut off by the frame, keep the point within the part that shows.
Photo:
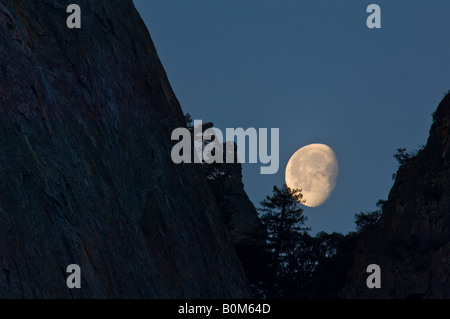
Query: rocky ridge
(86,117)
(411,242)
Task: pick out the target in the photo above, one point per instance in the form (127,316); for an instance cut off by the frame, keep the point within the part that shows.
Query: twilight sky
(314,70)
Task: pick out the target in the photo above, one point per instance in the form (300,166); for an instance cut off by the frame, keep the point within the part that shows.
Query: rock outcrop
(246,230)
(86,117)
(411,243)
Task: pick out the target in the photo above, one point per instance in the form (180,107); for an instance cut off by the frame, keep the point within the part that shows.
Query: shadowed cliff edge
(87,178)
(411,241)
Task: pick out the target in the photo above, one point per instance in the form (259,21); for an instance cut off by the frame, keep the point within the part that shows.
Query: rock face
(246,230)
(86,117)
(411,243)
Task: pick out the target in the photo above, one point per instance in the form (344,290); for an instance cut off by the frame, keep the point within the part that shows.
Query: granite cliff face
(86,174)
(247,232)
(411,243)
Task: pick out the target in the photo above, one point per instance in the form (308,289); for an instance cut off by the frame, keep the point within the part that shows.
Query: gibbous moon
(314,170)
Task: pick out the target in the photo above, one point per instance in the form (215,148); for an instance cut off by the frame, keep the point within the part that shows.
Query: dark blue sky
(314,70)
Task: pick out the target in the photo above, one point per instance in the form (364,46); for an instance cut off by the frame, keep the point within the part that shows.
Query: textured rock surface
(86,174)
(412,242)
(246,230)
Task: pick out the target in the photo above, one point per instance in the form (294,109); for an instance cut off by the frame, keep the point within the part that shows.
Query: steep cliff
(86,174)
(411,243)
(247,232)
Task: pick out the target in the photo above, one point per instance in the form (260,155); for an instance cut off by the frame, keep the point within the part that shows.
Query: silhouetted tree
(334,260)
(305,266)
(402,156)
(188,119)
(367,220)
(284,220)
